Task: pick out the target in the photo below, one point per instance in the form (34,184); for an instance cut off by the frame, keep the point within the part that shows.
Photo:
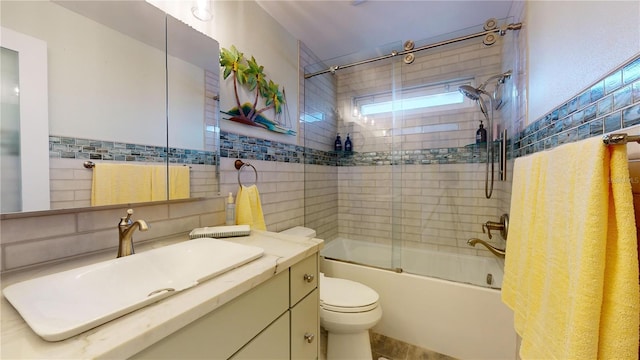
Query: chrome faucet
(126,227)
(503,226)
(494,250)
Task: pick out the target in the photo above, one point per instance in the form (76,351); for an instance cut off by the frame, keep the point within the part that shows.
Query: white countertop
(131,333)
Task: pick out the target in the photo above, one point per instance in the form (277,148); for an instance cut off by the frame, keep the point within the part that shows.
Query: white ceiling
(334,28)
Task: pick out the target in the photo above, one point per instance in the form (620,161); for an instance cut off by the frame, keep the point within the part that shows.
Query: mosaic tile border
(610,104)
(473,153)
(78,148)
(246,147)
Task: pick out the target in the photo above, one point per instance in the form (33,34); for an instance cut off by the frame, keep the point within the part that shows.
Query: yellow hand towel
(571,268)
(120,184)
(158,182)
(179,182)
(248,208)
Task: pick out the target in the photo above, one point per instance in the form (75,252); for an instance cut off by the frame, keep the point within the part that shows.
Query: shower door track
(502,30)
(397,270)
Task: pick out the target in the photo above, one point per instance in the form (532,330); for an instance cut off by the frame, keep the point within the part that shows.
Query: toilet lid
(342,295)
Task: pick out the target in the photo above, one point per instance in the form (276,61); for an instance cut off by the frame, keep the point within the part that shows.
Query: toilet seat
(346,296)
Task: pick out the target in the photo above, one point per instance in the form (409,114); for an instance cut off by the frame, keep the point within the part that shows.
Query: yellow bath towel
(120,184)
(129,183)
(158,183)
(179,182)
(571,268)
(248,208)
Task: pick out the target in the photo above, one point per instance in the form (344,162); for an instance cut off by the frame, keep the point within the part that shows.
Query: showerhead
(470,92)
(474,94)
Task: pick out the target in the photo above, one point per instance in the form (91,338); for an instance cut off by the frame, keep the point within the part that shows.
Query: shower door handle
(503,156)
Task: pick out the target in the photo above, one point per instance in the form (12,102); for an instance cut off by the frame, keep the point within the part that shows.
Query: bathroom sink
(64,304)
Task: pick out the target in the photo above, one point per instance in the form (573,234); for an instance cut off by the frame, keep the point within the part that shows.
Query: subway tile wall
(309,190)
(44,237)
(70,182)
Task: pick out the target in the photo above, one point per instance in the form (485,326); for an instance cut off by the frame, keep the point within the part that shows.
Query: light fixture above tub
(202,10)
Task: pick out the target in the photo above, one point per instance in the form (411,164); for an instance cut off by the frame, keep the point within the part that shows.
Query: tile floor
(386,348)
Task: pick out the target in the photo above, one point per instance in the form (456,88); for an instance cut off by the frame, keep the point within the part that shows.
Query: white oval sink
(64,304)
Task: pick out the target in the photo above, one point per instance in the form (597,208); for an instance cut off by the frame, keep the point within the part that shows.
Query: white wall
(572,44)
(255,33)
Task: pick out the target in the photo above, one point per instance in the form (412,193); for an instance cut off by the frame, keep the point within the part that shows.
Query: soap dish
(220,231)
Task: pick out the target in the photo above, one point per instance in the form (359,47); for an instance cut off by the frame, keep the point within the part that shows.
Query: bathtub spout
(495,251)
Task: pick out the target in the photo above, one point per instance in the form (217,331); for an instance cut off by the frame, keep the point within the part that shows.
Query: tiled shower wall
(439,176)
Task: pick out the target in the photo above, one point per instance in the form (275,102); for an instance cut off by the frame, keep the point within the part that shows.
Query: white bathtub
(469,269)
(457,319)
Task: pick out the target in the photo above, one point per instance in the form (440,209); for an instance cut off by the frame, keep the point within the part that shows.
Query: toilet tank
(300,231)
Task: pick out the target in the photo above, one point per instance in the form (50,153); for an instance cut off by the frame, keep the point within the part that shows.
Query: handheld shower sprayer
(475,94)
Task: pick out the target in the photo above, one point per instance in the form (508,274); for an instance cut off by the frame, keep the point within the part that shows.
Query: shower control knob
(309,337)
(308,278)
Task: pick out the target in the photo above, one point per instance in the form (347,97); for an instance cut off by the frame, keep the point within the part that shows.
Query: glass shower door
(349,195)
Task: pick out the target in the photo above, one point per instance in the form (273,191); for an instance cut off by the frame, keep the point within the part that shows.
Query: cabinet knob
(308,278)
(309,337)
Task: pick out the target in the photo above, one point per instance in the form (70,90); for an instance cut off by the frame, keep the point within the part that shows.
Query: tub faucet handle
(503,226)
(489,225)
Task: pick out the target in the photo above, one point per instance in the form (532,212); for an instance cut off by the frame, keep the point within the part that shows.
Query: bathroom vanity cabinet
(268,308)
(276,320)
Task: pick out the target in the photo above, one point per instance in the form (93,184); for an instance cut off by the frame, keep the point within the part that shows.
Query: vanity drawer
(303,278)
(272,343)
(305,328)
(222,332)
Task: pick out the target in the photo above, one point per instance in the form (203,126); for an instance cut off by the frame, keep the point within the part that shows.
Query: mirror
(126,83)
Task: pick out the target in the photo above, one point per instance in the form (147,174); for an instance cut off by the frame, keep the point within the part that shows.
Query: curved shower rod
(501,30)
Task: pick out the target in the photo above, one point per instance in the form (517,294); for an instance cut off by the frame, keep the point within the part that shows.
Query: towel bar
(617,139)
(239,165)
(91,165)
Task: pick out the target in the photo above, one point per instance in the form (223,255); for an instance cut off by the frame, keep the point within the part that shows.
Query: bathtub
(475,270)
(455,318)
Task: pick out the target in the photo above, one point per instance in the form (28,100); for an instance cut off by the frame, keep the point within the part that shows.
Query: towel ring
(239,165)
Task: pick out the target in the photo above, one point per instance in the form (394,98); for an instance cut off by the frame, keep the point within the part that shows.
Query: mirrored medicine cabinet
(124,82)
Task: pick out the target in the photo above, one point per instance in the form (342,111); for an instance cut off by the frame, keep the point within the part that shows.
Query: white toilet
(348,310)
